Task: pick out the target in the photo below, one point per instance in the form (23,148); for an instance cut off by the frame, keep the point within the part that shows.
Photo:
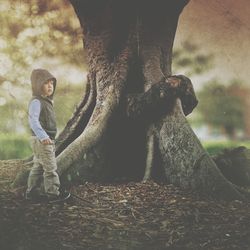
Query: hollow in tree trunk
(131,123)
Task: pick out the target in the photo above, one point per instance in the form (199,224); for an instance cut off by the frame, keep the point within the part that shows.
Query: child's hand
(46,142)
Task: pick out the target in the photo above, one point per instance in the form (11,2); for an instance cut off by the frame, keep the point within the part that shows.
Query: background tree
(37,30)
(221,108)
(191,59)
(38,33)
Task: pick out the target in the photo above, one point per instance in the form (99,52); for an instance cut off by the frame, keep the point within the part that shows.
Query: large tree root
(185,161)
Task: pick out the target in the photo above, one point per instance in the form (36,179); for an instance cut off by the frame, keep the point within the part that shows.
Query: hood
(38,78)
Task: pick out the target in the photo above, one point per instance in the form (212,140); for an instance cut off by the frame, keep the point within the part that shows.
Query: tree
(230,114)
(131,123)
(192,59)
(36,33)
(36,30)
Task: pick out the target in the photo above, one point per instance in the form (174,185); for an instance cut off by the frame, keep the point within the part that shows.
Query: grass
(214,147)
(13,146)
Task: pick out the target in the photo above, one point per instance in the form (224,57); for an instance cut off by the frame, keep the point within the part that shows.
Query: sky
(220,27)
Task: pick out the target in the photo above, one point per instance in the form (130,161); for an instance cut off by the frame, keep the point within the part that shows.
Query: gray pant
(44,169)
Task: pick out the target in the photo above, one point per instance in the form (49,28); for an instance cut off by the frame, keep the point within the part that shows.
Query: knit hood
(38,78)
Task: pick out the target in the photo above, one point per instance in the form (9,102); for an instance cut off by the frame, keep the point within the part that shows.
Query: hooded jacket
(47,116)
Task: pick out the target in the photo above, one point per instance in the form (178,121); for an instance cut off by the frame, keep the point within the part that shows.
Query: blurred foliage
(215,147)
(35,30)
(14,146)
(191,58)
(221,108)
(38,33)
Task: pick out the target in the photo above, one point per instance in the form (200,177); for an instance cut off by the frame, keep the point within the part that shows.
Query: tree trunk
(130,125)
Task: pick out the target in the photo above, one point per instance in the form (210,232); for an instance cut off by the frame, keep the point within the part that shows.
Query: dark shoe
(63,196)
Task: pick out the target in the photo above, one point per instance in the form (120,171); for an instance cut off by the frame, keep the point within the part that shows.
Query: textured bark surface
(186,164)
(129,125)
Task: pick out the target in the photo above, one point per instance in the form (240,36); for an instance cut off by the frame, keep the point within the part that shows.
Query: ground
(122,216)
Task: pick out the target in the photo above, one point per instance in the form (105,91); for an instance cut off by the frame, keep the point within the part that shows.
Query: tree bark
(130,125)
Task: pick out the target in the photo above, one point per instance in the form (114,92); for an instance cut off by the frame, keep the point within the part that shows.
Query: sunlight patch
(2,101)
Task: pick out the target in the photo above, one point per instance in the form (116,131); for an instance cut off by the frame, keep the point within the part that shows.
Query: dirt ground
(123,216)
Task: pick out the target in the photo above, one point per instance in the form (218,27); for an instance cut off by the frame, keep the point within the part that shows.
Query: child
(43,128)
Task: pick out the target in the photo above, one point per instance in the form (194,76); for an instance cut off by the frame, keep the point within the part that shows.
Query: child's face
(48,88)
